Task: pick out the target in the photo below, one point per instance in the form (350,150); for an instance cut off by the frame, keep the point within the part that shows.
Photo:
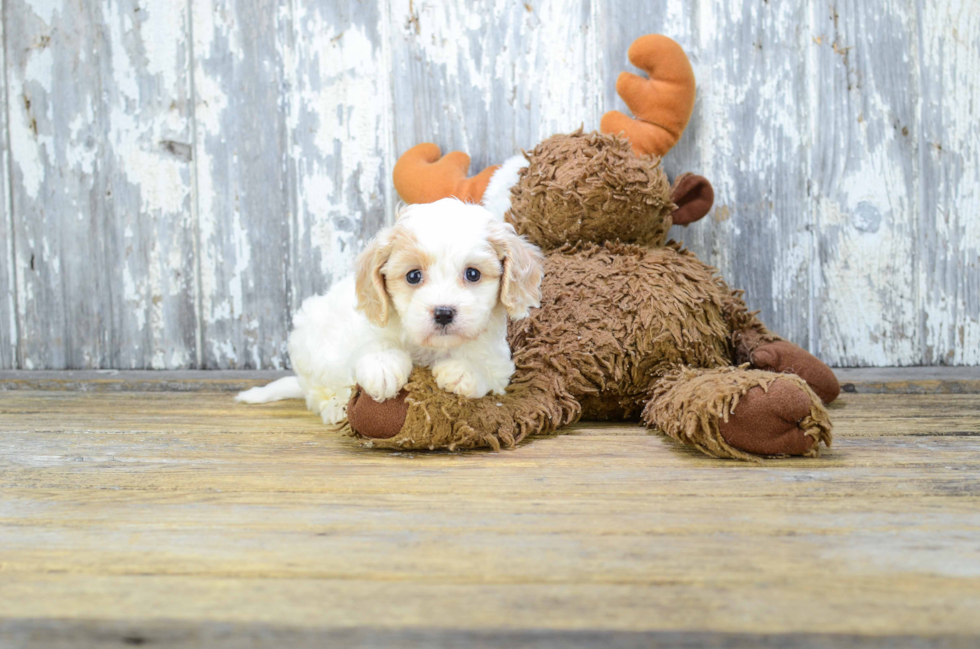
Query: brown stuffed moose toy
(631,325)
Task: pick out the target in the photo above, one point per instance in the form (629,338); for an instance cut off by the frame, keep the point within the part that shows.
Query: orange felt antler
(421,176)
(662,104)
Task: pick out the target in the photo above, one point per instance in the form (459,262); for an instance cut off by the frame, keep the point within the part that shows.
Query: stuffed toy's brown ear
(693,195)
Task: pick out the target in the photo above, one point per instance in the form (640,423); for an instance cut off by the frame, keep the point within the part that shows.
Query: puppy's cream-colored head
(448,269)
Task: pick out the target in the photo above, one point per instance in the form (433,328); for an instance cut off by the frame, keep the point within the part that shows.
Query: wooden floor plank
(596,548)
(886,606)
(159,512)
(854,414)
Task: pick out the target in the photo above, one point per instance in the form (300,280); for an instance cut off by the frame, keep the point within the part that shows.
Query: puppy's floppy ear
(372,297)
(520,286)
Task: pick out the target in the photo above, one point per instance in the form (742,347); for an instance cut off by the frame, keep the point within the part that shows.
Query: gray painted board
(241,156)
(99,168)
(292,146)
(183,175)
(490,78)
(949,182)
(863,175)
(339,139)
(58,177)
(8,291)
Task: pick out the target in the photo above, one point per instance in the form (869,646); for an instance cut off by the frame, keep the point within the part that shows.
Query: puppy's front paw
(383,374)
(459,378)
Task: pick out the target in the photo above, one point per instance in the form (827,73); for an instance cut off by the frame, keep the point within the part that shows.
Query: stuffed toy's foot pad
(770,422)
(782,357)
(376,419)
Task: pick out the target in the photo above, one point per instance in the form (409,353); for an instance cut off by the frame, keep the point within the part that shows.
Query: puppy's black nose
(443,314)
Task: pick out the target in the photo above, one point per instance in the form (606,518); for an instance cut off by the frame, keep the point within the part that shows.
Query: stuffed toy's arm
(753,343)
(739,413)
(425,417)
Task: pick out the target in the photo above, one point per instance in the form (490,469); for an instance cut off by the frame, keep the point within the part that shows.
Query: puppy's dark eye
(472,275)
(413,276)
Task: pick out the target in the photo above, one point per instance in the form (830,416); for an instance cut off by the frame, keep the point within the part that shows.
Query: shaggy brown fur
(695,406)
(629,327)
(590,187)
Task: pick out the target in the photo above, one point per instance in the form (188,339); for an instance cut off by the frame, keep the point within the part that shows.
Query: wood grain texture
(184,176)
(949,169)
(59,191)
(910,380)
(864,173)
(752,134)
(99,143)
(151,272)
(491,78)
(339,119)
(151,514)
(8,285)
(293,170)
(887,380)
(154,381)
(61,634)
(243,193)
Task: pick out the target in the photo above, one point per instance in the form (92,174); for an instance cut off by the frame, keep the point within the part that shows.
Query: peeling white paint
(146,115)
(8,305)
(211,103)
(30,143)
(134,297)
(46,10)
(136,133)
(243,255)
(339,123)
(949,146)
(240,159)
(347,142)
(224,349)
(100,202)
(536,58)
(867,200)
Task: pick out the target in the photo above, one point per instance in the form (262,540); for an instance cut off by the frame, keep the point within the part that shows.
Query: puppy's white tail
(285,388)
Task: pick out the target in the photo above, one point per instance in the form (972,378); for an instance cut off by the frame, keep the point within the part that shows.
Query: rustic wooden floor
(172,516)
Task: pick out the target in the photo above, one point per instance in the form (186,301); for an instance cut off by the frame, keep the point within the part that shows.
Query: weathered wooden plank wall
(948,138)
(8,309)
(102,228)
(178,177)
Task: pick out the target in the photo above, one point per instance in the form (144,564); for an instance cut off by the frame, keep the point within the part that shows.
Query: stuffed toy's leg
(426,417)
(753,343)
(741,413)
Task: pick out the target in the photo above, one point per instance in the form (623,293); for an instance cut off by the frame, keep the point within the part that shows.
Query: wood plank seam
(195,197)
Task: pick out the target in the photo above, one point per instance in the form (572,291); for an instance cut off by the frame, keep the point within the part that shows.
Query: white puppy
(435,289)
